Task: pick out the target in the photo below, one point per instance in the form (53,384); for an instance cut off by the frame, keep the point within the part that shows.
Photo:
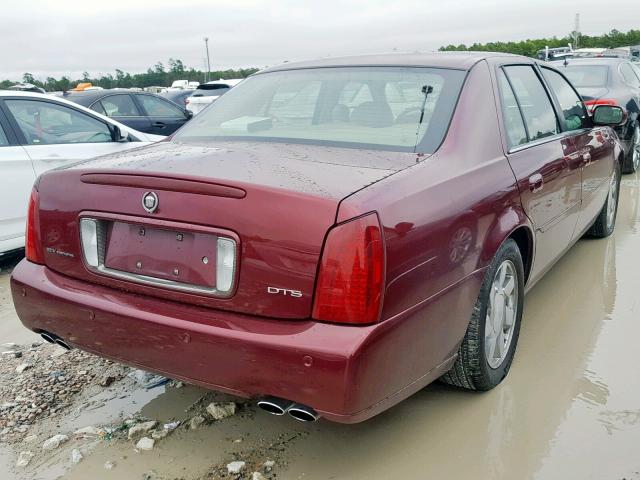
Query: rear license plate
(185,257)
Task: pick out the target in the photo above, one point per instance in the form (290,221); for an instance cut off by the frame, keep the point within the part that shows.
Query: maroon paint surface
(443,218)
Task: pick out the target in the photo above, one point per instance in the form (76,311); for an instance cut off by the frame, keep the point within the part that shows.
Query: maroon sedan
(329,237)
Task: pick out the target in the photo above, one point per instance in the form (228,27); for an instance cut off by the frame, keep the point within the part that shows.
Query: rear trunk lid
(274,202)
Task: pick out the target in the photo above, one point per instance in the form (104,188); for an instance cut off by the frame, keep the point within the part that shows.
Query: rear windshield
(211,91)
(587,75)
(404,109)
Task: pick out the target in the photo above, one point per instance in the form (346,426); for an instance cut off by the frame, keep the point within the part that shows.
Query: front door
(18,177)
(549,184)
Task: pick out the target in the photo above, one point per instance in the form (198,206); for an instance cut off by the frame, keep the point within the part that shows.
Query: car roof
(454,60)
(230,81)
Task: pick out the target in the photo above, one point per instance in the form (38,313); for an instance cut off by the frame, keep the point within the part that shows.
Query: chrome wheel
(501,314)
(612,201)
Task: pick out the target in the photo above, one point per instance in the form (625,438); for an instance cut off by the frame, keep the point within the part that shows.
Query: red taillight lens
(351,275)
(591,104)
(33,249)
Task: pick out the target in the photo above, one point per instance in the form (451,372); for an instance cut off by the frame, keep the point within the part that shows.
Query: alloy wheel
(501,314)
(636,148)
(612,201)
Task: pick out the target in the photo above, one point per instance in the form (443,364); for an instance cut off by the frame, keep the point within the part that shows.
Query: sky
(62,37)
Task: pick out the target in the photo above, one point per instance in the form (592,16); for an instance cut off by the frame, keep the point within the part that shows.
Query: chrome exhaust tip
(47,337)
(63,344)
(303,413)
(275,405)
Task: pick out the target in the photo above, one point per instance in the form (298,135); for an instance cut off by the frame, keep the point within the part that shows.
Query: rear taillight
(33,249)
(591,104)
(351,276)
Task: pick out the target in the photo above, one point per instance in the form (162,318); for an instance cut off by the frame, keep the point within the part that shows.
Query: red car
(330,236)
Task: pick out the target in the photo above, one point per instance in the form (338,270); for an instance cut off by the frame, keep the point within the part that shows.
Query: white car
(40,132)
(209,92)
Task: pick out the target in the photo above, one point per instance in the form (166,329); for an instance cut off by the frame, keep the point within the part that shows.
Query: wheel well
(522,237)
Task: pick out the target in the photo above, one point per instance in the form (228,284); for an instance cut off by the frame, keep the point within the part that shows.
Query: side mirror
(608,115)
(117,135)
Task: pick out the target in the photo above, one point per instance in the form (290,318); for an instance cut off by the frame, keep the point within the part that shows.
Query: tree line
(530,48)
(158,75)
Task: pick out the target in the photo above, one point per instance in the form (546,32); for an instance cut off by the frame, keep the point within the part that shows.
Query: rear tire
(632,160)
(606,220)
(489,345)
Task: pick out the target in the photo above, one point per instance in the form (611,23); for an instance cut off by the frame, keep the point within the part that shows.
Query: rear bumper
(346,373)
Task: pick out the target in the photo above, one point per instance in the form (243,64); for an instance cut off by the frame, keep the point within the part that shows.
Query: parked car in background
(146,112)
(209,92)
(26,87)
(178,96)
(40,132)
(610,81)
(329,236)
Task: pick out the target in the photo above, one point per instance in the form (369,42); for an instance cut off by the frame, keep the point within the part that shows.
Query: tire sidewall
(489,377)
(611,228)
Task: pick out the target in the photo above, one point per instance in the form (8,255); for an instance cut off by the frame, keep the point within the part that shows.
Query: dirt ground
(570,407)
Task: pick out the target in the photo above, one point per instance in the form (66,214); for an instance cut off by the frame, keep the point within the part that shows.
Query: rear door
(54,134)
(165,116)
(122,108)
(18,177)
(590,148)
(550,185)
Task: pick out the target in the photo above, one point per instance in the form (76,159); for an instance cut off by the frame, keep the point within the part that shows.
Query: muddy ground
(570,407)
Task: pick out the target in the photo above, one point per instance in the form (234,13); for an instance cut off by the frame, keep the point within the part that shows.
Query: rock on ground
(24,458)
(54,442)
(196,421)
(258,476)
(236,467)
(221,410)
(141,428)
(145,443)
(88,432)
(109,465)
(76,456)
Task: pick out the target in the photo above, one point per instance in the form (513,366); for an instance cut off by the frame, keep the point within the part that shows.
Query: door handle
(536,182)
(158,124)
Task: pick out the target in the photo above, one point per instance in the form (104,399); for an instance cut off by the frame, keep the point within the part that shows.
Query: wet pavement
(570,407)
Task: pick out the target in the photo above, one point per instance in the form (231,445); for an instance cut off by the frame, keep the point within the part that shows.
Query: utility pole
(576,32)
(206,46)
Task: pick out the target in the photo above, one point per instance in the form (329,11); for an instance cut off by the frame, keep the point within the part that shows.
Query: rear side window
(539,117)
(156,107)
(119,106)
(514,125)
(629,76)
(3,138)
(570,103)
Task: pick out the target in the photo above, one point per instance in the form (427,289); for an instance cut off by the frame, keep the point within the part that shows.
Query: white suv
(209,92)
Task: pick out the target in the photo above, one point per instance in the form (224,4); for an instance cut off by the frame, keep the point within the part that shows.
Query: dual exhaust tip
(280,406)
(53,338)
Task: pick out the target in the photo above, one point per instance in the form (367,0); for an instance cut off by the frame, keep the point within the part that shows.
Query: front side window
(573,110)
(514,125)
(391,108)
(119,106)
(156,107)
(629,76)
(534,102)
(46,123)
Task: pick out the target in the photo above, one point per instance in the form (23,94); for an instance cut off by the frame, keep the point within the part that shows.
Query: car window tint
(45,123)
(572,108)
(629,75)
(156,107)
(120,106)
(3,138)
(587,76)
(393,108)
(514,125)
(97,107)
(534,102)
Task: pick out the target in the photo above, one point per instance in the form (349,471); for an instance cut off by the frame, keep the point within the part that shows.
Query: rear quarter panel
(443,221)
